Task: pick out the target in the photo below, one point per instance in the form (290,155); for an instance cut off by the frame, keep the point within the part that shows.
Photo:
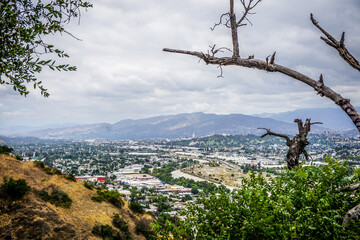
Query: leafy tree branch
(23,24)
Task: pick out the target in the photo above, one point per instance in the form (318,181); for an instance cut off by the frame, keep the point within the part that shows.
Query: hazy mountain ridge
(333,118)
(172,126)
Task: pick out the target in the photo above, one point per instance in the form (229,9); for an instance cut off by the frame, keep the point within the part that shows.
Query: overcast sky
(123,73)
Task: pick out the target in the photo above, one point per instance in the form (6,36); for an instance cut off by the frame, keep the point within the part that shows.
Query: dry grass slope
(31,217)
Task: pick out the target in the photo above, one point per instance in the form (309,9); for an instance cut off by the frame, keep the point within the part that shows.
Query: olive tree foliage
(303,203)
(23,51)
(233,21)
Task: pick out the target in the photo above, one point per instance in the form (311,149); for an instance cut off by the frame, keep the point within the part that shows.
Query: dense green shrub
(70,177)
(136,207)
(120,223)
(43,167)
(5,149)
(18,157)
(112,197)
(52,171)
(162,218)
(104,231)
(122,226)
(107,232)
(39,164)
(303,203)
(13,189)
(194,191)
(97,198)
(56,197)
(143,226)
(57,172)
(48,170)
(88,185)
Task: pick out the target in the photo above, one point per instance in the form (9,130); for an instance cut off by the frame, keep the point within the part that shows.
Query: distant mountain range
(333,118)
(23,128)
(172,126)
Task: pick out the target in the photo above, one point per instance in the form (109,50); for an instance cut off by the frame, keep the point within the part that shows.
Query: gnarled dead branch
(338,45)
(270,66)
(318,86)
(297,144)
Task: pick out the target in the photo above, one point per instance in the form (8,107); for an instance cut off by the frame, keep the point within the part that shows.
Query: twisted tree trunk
(297,144)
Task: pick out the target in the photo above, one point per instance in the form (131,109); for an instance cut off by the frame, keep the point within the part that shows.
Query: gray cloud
(123,73)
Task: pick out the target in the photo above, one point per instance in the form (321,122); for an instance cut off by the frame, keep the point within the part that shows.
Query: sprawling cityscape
(163,175)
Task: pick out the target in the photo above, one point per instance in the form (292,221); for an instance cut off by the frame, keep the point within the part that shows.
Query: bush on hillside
(104,231)
(120,223)
(56,197)
(162,218)
(136,207)
(70,177)
(52,171)
(112,197)
(5,149)
(43,167)
(57,171)
(39,164)
(88,185)
(143,226)
(303,203)
(13,189)
(107,232)
(122,226)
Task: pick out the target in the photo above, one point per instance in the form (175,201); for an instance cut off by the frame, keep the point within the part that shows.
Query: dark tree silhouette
(297,144)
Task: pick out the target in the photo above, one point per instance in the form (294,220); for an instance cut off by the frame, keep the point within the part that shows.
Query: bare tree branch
(305,154)
(338,45)
(214,50)
(269,132)
(247,8)
(221,72)
(316,123)
(221,23)
(272,60)
(263,65)
(234,33)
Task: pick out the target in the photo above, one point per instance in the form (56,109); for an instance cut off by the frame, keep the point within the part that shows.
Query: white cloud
(123,73)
